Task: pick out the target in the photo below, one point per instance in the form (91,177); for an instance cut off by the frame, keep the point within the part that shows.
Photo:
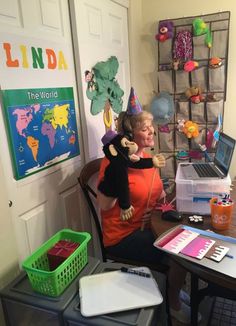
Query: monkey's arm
(157,161)
(143,163)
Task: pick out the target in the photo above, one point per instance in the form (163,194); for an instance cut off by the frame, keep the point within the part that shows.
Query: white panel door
(8,252)
(41,203)
(100,30)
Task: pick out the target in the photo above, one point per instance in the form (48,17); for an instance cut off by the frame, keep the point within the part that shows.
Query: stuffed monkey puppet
(121,154)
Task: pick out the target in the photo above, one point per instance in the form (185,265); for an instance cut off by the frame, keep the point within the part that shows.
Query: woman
(128,239)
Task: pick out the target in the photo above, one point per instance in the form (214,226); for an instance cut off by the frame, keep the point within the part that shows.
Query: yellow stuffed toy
(190,129)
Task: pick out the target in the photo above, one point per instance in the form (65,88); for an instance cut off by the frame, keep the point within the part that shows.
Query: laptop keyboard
(205,170)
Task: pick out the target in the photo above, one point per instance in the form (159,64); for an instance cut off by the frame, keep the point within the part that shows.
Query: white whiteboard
(117,291)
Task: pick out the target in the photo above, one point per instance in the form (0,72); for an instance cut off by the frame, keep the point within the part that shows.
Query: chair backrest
(88,171)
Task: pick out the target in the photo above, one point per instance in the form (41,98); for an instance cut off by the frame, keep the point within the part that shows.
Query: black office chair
(89,170)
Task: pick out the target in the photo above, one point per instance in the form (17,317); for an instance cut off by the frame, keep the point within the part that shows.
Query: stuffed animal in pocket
(194,93)
(165,31)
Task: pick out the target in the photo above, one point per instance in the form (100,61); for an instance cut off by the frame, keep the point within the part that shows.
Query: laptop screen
(224,152)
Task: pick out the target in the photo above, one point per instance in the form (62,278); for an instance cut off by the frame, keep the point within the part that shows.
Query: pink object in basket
(59,252)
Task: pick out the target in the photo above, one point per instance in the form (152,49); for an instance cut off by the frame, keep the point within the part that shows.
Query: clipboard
(117,291)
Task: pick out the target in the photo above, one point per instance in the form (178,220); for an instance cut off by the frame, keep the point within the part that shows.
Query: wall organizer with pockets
(203,65)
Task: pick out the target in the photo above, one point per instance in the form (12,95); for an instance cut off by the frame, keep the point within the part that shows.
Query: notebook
(219,168)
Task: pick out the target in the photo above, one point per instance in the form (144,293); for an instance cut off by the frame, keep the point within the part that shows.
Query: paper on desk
(198,247)
(217,252)
(180,241)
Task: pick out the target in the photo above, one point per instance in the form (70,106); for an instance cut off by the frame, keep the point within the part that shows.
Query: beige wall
(144,17)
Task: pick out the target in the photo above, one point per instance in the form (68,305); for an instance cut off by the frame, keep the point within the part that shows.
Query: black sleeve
(143,163)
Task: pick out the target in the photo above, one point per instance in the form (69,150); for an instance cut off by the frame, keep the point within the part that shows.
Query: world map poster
(42,128)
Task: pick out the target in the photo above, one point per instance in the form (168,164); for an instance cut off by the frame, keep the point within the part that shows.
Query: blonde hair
(127,123)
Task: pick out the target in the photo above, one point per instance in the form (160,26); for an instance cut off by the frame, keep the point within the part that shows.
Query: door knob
(10,203)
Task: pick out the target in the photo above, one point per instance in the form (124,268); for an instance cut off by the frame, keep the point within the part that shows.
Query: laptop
(219,168)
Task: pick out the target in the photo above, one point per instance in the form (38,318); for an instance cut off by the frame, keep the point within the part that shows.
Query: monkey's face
(130,145)
(120,148)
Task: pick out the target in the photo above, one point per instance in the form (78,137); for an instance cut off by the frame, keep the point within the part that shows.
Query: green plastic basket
(53,283)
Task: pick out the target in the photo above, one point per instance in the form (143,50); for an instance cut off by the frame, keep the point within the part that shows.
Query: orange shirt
(140,180)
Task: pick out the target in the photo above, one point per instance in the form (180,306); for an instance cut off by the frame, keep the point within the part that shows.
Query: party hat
(134,106)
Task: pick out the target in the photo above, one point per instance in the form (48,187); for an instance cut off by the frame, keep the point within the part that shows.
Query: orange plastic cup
(221,215)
